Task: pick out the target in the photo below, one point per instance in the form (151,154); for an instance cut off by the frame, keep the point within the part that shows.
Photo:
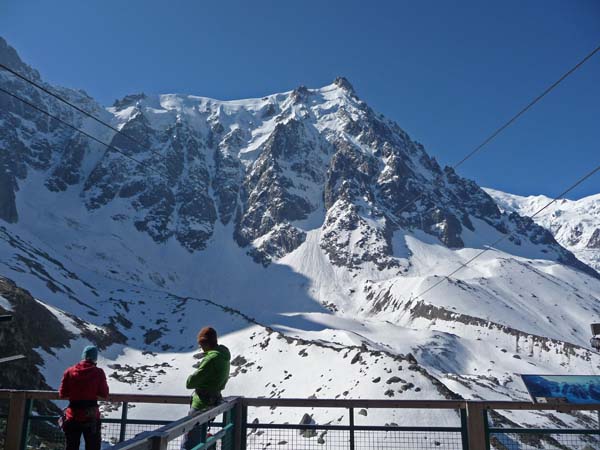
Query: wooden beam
(356,403)
(240,418)
(476,426)
(14,425)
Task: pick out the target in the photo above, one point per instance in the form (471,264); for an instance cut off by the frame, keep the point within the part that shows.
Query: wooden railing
(473,429)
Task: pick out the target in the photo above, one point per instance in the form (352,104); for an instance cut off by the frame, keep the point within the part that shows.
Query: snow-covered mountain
(575,224)
(288,222)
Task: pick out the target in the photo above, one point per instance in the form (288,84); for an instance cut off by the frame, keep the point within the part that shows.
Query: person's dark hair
(207,336)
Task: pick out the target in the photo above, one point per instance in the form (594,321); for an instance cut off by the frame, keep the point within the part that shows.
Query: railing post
(229,418)
(486,424)
(351,417)
(123,428)
(16,421)
(26,423)
(476,426)
(464,435)
(240,417)
(203,432)
(228,437)
(159,443)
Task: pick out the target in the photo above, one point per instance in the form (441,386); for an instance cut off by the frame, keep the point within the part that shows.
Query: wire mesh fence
(296,438)
(535,440)
(45,433)
(407,440)
(111,432)
(301,438)
(2,431)
(3,420)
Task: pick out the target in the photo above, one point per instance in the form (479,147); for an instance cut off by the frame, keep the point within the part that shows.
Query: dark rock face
(128,100)
(280,241)
(274,191)
(350,175)
(8,206)
(594,241)
(267,191)
(226,184)
(446,227)
(68,171)
(22,335)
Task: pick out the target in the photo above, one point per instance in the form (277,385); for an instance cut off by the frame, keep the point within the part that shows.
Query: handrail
(550,406)
(184,424)
(117,398)
(158,439)
(357,403)
(417,404)
(325,403)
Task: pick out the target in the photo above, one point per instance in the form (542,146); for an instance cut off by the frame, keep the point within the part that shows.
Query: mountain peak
(11,59)
(128,100)
(343,83)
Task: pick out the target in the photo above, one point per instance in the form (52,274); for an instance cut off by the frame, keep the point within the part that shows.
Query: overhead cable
(77,108)
(73,127)
(505,236)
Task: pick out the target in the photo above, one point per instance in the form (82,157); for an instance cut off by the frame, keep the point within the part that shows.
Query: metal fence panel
(566,440)
(337,439)
(297,439)
(408,440)
(2,431)
(45,434)
(3,419)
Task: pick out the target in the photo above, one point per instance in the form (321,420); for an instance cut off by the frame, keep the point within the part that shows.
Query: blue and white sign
(576,389)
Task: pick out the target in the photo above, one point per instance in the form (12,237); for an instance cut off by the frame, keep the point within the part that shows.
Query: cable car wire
(94,138)
(505,236)
(77,108)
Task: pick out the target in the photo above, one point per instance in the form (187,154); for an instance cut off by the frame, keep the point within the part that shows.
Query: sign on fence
(576,389)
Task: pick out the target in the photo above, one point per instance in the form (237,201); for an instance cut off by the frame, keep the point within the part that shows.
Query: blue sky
(448,72)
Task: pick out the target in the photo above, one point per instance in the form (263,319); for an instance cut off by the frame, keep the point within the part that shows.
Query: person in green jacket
(208,380)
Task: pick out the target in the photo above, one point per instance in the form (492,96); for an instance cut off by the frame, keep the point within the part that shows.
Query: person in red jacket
(83,384)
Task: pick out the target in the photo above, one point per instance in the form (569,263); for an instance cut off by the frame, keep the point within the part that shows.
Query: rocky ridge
(575,224)
(265,164)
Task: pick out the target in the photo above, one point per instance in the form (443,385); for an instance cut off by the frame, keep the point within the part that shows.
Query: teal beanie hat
(90,353)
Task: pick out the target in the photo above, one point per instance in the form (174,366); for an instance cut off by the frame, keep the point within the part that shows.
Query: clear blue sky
(448,72)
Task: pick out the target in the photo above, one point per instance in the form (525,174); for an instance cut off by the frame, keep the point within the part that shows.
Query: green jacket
(210,378)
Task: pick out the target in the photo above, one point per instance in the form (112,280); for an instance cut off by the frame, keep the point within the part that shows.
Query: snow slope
(574,223)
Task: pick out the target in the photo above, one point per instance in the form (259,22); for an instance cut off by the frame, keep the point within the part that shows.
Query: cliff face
(33,327)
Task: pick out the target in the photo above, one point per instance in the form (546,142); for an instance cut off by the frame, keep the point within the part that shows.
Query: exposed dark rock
(128,100)
(239,361)
(307,432)
(151,336)
(344,84)
(594,241)
(394,379)
(282,240)
(22,335)
(8,206)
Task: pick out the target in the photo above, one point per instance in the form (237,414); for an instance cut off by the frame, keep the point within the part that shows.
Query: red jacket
(83,381)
